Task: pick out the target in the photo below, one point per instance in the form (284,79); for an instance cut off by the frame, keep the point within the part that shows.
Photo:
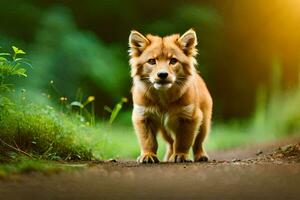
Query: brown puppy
(169,96)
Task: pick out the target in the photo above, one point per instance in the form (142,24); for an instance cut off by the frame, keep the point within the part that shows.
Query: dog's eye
(152,61)
(173,61)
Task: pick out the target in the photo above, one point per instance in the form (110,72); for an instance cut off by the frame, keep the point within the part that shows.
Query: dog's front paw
(147,158)
(180,158)
(201,158)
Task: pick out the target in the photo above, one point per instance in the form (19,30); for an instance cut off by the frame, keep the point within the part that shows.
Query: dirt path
(262,177)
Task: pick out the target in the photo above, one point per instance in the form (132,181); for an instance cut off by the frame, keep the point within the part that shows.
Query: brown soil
(264,171)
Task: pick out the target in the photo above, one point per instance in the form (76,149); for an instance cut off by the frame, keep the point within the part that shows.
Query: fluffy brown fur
(169,96)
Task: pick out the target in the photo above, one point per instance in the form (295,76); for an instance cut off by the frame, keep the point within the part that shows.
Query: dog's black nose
(162,75)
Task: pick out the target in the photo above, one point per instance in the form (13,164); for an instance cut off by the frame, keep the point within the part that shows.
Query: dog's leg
(184,133)
(198,148)
(146,130)
(168,138)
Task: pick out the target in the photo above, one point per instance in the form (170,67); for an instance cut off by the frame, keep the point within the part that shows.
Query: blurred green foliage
(74,58)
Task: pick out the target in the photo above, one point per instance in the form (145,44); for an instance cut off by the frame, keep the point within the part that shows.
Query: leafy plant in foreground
(12,65)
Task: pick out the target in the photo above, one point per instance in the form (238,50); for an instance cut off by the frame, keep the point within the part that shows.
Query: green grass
(16,164)
(43,132)
(25,165)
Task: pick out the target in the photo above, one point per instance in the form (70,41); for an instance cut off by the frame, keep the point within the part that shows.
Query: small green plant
(83,111)
(116,110)
(12,65)
(83,108)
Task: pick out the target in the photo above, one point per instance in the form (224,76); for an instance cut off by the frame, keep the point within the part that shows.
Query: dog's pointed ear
(188,42)
(137,43)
